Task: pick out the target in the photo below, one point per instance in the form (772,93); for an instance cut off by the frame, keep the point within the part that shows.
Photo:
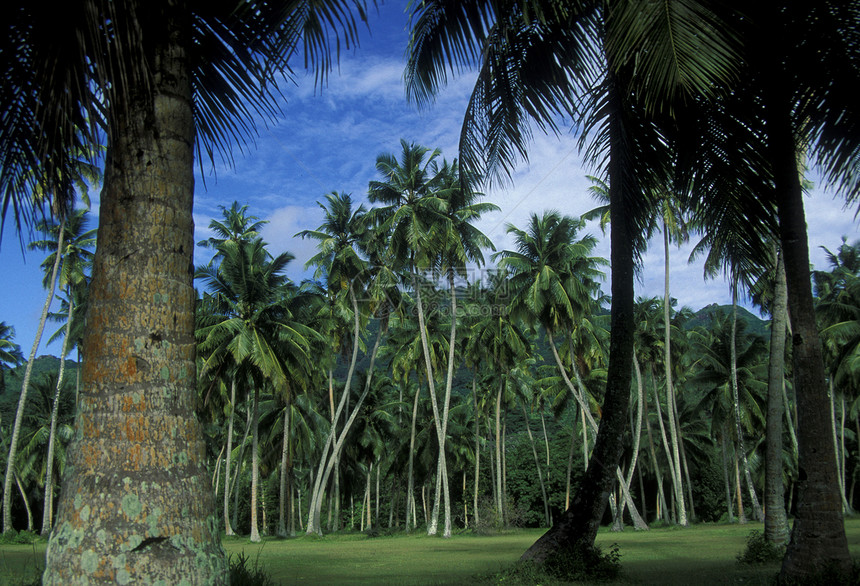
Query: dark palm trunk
(818,535)
(775,521)
(581,521)
(136,487)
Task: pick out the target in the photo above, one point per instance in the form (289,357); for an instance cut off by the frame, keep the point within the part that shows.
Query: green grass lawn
(702,554)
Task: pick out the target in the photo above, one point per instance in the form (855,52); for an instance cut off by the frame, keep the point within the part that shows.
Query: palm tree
(254,326)
(69,240)
(159,81)
(10,352)
(414,215)
(77,259)
(535,62)
(340,238)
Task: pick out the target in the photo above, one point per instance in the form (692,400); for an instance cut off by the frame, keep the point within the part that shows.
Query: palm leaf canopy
(67,71)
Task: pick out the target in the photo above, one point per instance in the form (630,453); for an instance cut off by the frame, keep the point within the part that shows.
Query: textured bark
(22,399)
(136,501)
(581,521)
(775,521)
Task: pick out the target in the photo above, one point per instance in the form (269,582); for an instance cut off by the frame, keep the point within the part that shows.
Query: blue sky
(329,138)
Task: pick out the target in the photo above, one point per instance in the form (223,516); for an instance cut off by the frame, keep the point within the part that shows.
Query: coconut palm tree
(535,61)
(162,82)
(73,278)
(414,214)
(254,326)
(68,244)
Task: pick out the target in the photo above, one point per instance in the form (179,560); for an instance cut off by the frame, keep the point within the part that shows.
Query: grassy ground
(702,554)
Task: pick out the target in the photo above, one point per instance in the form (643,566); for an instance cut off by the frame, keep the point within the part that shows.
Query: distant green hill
(755,325)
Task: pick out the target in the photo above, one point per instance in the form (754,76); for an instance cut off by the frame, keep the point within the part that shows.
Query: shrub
(760,551)
(585,562)
(242,574)
(13,537)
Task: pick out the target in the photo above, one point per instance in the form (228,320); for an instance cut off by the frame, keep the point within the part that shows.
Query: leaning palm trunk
(48,511)
(410,483)
(319,485)
(581,521)
(22,400)
(314,514)
(675,461)
(734,378)
(775,521)
(538,466)
(136,487)
(441,466)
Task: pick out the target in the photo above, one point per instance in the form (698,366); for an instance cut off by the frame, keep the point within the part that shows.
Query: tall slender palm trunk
(775,521)
(255,465)
(675,460)
(22,399)
(410,483)
(48,507)
(136,499)
(286,471)
(737,409)
(228,528)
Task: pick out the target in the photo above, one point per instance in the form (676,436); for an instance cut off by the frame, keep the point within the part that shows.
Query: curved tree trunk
(775,521)
(22,399)
(581,521)
(136,487)
(48,507)
(537,466)
(410,483)
(675,461)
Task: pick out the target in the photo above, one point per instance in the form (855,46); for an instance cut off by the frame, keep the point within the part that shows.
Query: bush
(585,562)
(241,574)
(13,537)
(760,551)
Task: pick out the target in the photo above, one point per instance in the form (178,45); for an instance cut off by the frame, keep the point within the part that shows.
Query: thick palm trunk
(136,501)
(675,461)
(775,521)
(48,508)
(726,481)
(818,535)
(22,399)
(581,521)
(228,528)
(255,465)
